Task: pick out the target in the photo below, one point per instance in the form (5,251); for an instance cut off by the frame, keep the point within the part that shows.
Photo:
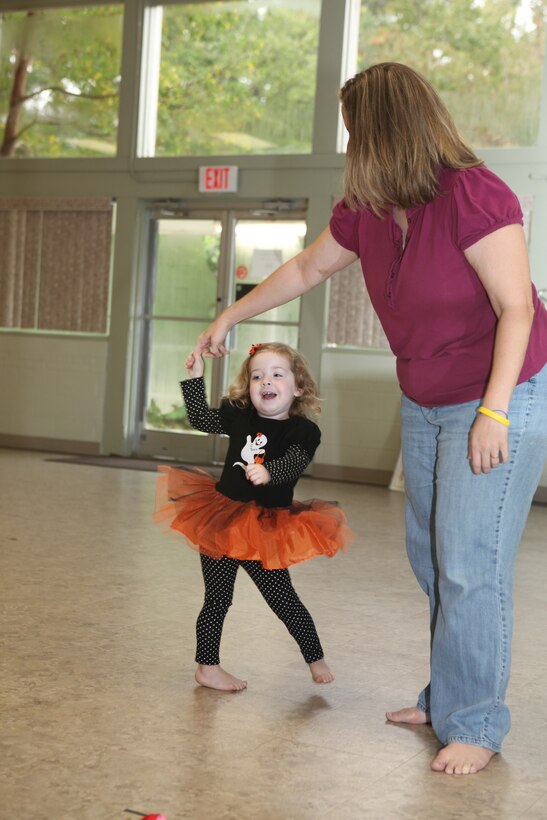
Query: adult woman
(444,257)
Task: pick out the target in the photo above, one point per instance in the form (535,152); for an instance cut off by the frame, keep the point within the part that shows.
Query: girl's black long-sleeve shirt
(285,447)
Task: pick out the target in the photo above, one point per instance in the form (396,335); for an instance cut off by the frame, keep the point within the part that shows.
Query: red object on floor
(154,817)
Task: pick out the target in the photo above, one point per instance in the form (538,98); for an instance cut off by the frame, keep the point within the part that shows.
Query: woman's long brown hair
(400,134)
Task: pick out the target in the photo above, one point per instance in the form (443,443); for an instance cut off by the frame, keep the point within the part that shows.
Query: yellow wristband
(493,415)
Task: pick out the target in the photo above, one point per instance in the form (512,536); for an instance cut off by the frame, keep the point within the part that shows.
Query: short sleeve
(344,226)
(483,203)
(306,435)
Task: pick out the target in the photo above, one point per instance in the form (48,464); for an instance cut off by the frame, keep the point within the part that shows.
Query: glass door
(183,285)
(200,262)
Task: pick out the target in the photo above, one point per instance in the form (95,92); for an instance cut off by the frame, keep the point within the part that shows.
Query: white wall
(359,422)
(53,387)
(360,410)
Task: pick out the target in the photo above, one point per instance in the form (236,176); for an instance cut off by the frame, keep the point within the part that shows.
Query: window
(232,77)
(352,320)
(59,81)
(484,57)
(55,264)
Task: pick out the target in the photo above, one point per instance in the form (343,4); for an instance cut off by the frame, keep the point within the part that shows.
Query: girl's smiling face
(272,386)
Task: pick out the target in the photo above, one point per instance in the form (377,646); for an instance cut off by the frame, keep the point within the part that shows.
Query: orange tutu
(189,505)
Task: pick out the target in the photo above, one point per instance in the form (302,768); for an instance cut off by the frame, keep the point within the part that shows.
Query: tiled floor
(100,712)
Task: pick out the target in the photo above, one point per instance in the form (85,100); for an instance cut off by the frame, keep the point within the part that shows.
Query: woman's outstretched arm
(314,265)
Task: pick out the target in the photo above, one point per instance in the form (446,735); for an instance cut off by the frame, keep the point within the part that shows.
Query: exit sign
(217,178)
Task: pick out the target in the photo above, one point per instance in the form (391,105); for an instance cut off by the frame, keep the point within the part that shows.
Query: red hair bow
(253,349)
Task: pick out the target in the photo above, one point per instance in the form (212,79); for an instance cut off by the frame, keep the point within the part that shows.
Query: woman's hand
(194,366)
(257,474)
(488,445)
(211,342)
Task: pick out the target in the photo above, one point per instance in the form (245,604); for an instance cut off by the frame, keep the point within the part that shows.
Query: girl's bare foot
(411,715)
(320,672)
(462,758)
(215,677)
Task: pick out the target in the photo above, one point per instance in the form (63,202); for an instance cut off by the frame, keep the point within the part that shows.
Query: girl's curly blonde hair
(307,404)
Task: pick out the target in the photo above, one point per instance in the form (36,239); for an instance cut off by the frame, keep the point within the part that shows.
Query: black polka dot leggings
(276,588)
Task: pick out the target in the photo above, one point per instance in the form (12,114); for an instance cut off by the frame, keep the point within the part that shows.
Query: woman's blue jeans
(463,531)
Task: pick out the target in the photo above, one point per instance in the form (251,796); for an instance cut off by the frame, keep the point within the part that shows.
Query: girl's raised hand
(194,365)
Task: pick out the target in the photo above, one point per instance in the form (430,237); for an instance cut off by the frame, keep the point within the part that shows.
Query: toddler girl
(249,518)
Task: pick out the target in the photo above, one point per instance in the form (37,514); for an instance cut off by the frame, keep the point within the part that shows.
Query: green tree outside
(236,78)
(484,58)
(236,82)
(59,81)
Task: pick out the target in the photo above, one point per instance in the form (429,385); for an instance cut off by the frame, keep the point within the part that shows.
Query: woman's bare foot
(320,672)
(411,715)
(215,677)
(462,758)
